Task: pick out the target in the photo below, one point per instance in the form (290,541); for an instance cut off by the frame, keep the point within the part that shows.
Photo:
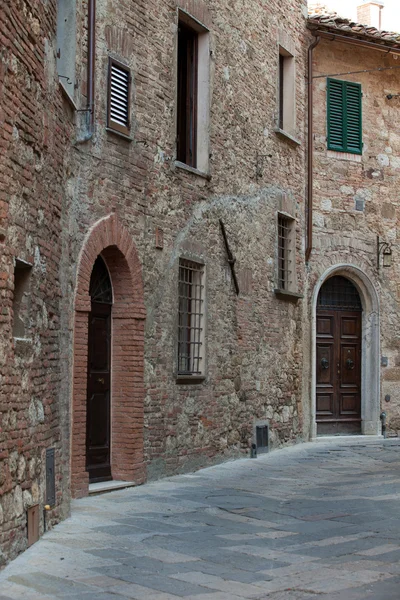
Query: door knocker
(350,364)
(325,363)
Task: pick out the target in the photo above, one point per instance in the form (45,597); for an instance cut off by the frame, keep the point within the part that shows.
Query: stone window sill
(286,295)
(190,379)
(287,136)
(119,134)
(184,167)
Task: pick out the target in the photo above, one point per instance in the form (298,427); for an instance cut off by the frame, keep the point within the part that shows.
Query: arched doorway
(107,433)
(98,412)
(338,358)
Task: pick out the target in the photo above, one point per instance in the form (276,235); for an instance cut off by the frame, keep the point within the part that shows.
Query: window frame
(345,148)
(113,125)
(286,253)
(187,91)
(196,332)
(198,163)
(286,93)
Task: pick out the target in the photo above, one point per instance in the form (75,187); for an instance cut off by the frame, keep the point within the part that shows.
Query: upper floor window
(119,97)
(286,92)
(66,45)
(344,115)
(192,140)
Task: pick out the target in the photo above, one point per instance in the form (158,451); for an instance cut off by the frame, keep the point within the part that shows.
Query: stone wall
(356,198)
(59,178)
(35,127)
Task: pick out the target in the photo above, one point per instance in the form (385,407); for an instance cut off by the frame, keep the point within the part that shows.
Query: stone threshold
(108,486)
(351,439)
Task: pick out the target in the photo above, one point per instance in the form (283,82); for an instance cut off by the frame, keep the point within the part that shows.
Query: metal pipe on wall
(310,150)
(91,58)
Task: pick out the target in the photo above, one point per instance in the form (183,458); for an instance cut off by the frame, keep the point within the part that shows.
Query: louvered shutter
(344,116)
(119,83)
(353,118)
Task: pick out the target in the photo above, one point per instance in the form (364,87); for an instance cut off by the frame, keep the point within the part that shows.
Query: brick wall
(35,126)
(56,187)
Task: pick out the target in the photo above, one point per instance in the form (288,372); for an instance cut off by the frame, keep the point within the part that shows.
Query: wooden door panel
(325,364)
(325,326)
(325,404)
(349,404)
(349,366)
(349,327)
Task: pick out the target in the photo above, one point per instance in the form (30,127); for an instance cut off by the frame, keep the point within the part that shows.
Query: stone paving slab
(313,521)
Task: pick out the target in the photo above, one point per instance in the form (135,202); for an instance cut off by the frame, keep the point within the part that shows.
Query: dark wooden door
(338,371)
(98,394)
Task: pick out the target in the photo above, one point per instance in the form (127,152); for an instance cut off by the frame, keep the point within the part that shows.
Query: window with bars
(119,94)
(286,264)
(191,318)
(344,114)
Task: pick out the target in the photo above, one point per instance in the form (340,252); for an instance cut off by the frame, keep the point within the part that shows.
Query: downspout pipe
(310,150)
(91,60)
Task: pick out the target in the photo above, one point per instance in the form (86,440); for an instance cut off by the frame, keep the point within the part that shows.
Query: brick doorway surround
(109,238)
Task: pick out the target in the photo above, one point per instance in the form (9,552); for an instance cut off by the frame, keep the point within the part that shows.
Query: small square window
(119,97)
(191,319)
(286,254)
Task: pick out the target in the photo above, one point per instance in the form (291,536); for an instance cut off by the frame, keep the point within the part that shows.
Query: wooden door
(338,371)
(98,456)
(98,404)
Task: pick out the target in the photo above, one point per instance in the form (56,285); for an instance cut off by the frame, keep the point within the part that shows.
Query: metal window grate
(338,293)
(191,301)
(285,262)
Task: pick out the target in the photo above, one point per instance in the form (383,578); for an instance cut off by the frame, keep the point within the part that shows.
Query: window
(191,318)
(344,114)
(66,45)
(119,94)
(22,273)
(187,95)
(286,263)
(286,93)
(193,91)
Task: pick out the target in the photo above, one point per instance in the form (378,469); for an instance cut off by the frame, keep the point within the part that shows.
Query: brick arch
(109,238)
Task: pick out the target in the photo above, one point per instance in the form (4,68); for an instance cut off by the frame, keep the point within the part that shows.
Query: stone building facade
(107,240)
(355,227)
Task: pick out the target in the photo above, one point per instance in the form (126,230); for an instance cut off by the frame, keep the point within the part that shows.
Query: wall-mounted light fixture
(383,249)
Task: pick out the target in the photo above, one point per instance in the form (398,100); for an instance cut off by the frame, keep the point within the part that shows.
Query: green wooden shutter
(344,116)
(353,120)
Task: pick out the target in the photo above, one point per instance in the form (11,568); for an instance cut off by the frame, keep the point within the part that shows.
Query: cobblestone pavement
(317,520)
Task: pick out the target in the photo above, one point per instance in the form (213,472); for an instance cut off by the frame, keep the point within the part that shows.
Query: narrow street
(317,520)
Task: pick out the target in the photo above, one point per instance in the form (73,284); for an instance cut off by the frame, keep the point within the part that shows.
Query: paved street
(318,520)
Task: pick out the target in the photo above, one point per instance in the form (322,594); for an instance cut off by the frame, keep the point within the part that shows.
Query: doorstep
(351,439)
(108,486)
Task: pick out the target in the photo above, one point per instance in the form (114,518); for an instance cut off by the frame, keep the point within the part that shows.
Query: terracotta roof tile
(335,23)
